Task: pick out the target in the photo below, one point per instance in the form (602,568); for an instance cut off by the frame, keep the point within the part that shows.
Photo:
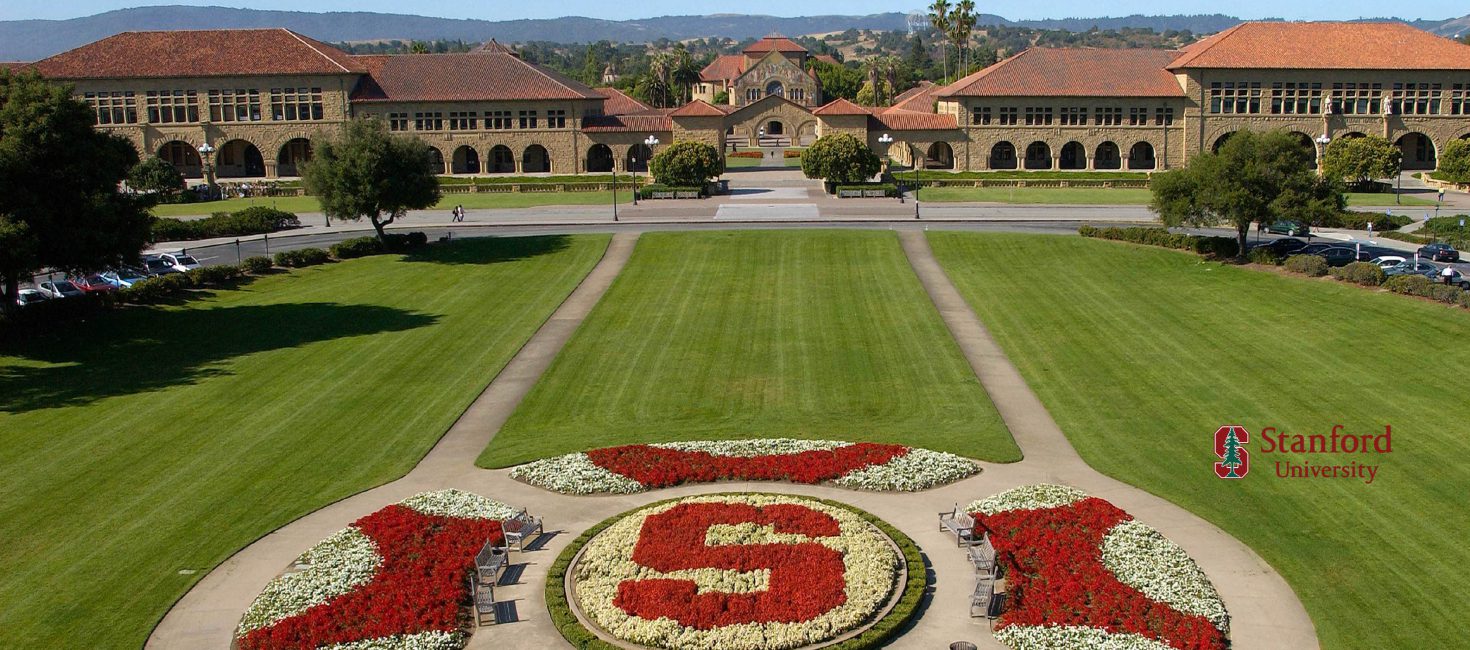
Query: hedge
(1263,255)
(1382,222)
(356,247)
(646,192)
(214,276)
(746,154)
(1409,285)
(257,265)
(155,290)
(302,257)
(1311,265)
(1212,246)
(254,220)
(1367,274)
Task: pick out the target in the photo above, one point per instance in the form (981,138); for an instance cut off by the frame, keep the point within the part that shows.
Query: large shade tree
(368,173)
(60,207)
(687,164)
(1454,161)
(840,158)
(1357,161)
(1265,176)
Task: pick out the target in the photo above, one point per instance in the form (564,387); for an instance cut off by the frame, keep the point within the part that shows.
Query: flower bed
(393,579)
(635,468)
(744,572)
(1082,573)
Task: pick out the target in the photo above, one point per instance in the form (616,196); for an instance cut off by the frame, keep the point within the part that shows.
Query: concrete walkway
(1266,614)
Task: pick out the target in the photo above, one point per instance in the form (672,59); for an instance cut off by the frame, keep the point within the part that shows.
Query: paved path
(1266,612)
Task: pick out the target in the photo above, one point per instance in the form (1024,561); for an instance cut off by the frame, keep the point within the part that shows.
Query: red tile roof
(892,120)
(724,68)
(828,59)
(13,65)
(773,44)
(919,98)
(1325,45)
(493,47)
(648,123)
(1051,72)
(841,106)
(199,53)
(620,103)
(463,77)
(698,108)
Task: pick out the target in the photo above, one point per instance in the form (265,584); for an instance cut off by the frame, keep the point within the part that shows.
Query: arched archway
(1038,155)
(775,88)
(939,156)
(1141,156)
(1074,156)
(1351,135)
(466,160)
(1418,151)
(1220,142)
(638,157)
(535,160)
(183,156)
(599,159)
(776,128)
(806,133)
(1465,137)
(502,161)
(1107,156)
(1003,156)
(239,159)
(292,154)
(436,160)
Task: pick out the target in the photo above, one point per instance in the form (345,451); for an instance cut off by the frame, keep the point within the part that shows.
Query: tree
(155,175)
(1265,176)
(1454,161)
(1357,161)
(962,24)
(840,158)
(687,164)
(939,19)
(1232,454)
(367,172)
(60,207)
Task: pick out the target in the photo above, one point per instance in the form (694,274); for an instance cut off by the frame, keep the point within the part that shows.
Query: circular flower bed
(393,579)
(1082,573)
(737,571)
(635,468)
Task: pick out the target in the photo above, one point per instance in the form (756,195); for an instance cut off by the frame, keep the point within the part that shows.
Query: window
(115,107)
(498,120)
(1073,116)
(1008,116)
(172,106)
(1296,98)
(234,105)
(1137,116)
(296,104)
(428,121)
(556,119)
(1038,116)
(1358,98)
(464,121)
(398,121)
(796,94)
(528,119)
(1163,116)
(752,95)
(1108,117)
(1230,97)
(1416,99)
(980,115)
(1460,100)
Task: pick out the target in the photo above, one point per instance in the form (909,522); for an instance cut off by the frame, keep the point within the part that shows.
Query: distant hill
(28,40)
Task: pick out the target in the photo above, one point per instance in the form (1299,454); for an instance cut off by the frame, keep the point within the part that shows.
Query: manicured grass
(477,201)
(737,163)
(1379,199)
(153,441)
(1036,195)
(1142,354)
(759,334)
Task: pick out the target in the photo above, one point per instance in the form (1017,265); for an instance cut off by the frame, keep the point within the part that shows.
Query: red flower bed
(746,154)
(418,588)
(1057,577)
(656,467)
(807,579)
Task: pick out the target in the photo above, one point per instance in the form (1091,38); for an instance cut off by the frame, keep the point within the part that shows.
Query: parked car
(1410,267)
(124,277)
(62,289)
(1387,261)
(180,262)
(1314,249)
(154,265)
(1292,228)
(1284,246)
(93,283)
(1440,253)
(29,297)
(1456,278)
(1338,256)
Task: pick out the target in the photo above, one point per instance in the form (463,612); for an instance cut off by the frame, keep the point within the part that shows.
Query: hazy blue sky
(498,9)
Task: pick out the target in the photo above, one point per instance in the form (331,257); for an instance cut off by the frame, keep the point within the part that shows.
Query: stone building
(260,97)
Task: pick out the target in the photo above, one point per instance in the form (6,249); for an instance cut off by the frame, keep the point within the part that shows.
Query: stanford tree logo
(1235,461)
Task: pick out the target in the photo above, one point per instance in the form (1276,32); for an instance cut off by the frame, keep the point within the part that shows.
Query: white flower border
(1073,637)
(917,469)
(348,559)
(1028,497)
(1141,557)
(870,560)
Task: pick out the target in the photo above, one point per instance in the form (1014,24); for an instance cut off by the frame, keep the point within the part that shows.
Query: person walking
(1447,275)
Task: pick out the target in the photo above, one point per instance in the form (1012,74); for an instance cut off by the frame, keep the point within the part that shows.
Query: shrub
(154,290)
(840,158)
(687,163)
(1217,247)
(302,257)
(1448,229)
(1364,273)
(1140,235)
(791,153)
(256,265)
(1454,161)
(254,220)
(356,247)
(746,154)
(1359,221)
(1263,255)
(1307,265)
(1465,299)
(1409,285)
(213,276)
(1446,293)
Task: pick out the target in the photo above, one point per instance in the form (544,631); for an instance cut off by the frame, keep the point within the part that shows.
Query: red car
(92,284)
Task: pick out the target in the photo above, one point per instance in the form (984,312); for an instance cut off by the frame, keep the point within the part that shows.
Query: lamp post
(652,142)
(615,190)
(206,153)
(1322,141)
(887,140)
(916,159)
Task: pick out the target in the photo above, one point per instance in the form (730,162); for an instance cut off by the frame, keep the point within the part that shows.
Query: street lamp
(887,140)
(651,141)
(206,154)
(1322,141)
(615,190)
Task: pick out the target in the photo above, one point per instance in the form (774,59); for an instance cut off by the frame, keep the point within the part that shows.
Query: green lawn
(481,200)
(1142,353)
(759,334)
(153,441)
(1379,199)
(737,163)
(1036,195)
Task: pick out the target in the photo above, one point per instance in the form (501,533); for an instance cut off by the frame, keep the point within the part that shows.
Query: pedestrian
(1447,275)
(461,212)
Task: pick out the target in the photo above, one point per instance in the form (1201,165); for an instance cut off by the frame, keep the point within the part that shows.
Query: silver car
(62,289)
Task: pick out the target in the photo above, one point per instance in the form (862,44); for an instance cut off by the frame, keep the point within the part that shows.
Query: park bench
(960,524)
(982,597)
(484,600)
(519,527)
(490,561)
(982,555)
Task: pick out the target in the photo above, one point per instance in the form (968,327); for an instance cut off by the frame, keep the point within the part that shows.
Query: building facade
(259,98)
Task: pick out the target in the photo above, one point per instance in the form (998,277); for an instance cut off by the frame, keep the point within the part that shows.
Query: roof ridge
(548,75)
(1216,38)
(320,53)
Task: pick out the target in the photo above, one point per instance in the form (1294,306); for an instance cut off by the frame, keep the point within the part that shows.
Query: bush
(257,265)
(302,257)
(1446,293)
(1409,285)
(356,247)
(254,220)
(688,163)
(1454,161)
(1465,299)
(1162,237)
(155,290)
(1217,247)
(1263,255)
(1307,265)
(840,158)
(214,276)
(791,153)
(1359,221)
(1364,273)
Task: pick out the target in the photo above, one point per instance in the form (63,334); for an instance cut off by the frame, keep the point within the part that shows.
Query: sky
(1024,9)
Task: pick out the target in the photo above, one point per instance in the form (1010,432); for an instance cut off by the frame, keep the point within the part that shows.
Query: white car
(1386,261)
(180,262)
(29,297)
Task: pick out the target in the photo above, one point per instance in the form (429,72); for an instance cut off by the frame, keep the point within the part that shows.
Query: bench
(982,597)
(490,561)
(519,527)
(982,555)
(960,524)
(484,596)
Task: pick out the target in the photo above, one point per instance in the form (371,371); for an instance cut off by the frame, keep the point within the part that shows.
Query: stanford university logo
(1235,461)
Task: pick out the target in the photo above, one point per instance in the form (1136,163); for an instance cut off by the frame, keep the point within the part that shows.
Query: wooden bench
(519,527)
(982,555)
(490,561)
(960,524)
(484,596)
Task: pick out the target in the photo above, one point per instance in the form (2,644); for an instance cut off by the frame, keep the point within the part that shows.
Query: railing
(1140,184)
(509,188)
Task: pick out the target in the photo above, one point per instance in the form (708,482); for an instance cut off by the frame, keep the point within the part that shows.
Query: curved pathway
(1265,612)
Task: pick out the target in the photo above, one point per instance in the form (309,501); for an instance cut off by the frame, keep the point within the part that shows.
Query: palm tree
(939,19)
(683,73)
(874,67)
(891,65)
(660,68)
(964,25)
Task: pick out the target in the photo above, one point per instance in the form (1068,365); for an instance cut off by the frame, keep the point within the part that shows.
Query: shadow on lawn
(489,250)
(142,350)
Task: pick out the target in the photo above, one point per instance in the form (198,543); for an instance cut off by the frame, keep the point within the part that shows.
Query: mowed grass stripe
(759,334)
(155,440)
(1140,353)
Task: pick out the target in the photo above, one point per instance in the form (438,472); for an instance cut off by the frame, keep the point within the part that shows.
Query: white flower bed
(1142,558)
(459,504)
(434,640)
(574,474)
(1072,637)
(919,469)
(1028,497)
(870,569)
(753,447)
